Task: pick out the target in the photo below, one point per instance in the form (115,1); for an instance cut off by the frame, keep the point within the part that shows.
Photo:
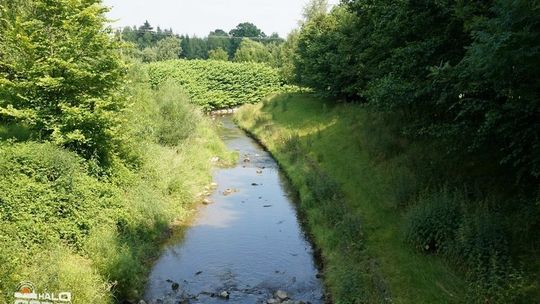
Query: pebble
(224,294)
(282,295)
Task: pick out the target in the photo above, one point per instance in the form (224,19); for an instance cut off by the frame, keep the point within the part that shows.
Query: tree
(244,30)
(315,8)
(247,30)
(287,56)
(194,48)
(252,51)
(168,48)
(218,54)
(219,39)
(325,54)
(149,54)
(145,36)
(61,72)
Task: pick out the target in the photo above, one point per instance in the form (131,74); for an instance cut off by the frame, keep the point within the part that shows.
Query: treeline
(466,72)
(460,82)
(245,43)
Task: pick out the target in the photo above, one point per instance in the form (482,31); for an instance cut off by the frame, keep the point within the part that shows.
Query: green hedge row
(218,84)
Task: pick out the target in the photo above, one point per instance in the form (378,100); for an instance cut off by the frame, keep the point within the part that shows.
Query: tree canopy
(60,74)
(467,72)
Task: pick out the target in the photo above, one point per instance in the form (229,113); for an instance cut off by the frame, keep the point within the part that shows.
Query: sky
(199,17)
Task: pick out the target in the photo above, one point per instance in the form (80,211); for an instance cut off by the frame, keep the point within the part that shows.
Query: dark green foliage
(433,222)
(466,72)
(144,36)
(194,47)
(460,81)
(498,82)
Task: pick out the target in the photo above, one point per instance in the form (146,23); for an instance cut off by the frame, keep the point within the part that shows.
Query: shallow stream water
(248,242)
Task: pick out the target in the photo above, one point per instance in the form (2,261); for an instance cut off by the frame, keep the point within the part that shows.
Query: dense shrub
(216,84)
(433,222)
(64,227)
(61,74)
(42,182)
(465,72)
(476,241)
(179,118)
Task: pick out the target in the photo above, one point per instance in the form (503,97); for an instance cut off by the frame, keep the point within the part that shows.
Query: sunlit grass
(366,258)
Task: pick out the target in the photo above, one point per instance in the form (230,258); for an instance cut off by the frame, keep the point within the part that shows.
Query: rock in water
(282,295)
(272,301)
(175,286)
(224,295)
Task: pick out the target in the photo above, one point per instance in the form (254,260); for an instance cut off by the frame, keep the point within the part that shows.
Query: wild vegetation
(94,173)
(214,84)
(448,95)
(417,159)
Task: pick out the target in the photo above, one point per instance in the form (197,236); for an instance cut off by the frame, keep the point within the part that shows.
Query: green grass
(351,200)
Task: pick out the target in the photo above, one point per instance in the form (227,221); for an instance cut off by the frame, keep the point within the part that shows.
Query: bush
(431,225)
(178,118)
(61,74)
(482,249)
(473,238)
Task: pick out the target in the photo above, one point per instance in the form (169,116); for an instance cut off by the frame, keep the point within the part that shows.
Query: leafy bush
(482,249)
(178,117)
(61,74)
(432,224)
(63,227)
(216,84)
(474,240)
(42,182)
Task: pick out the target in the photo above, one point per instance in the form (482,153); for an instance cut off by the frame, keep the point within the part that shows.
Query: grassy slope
(328,139)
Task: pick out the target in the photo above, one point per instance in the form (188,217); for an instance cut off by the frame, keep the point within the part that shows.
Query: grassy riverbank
(350,201)
(67,224)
